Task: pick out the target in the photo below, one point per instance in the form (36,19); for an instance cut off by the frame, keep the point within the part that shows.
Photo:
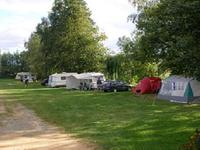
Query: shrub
(194,142)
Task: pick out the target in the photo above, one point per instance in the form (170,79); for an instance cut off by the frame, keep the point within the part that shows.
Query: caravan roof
(62,74)
(87,75)
(23,73)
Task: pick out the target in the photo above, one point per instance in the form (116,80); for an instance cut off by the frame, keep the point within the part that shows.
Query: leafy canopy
(68,40)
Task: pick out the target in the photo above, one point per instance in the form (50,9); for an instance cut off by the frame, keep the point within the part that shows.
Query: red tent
(148,85)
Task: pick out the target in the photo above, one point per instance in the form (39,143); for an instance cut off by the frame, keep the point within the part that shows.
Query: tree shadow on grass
(114,120)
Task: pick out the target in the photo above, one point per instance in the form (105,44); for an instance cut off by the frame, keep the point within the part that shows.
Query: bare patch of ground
(23,130)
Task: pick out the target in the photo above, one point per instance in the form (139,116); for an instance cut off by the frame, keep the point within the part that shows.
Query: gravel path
(23,130)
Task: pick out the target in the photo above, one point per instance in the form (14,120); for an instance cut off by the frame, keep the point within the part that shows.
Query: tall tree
(11,64)
(132,67)
(76,38)
(69,40)
(169,33)
(36,59)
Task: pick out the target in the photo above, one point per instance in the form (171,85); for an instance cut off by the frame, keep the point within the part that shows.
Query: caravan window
(63,78)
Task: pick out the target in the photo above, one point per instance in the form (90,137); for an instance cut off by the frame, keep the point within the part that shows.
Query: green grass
(14,84)
(116,121)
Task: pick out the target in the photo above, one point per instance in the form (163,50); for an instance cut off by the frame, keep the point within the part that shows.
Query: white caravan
(58,79)
(86,80)
(23,75)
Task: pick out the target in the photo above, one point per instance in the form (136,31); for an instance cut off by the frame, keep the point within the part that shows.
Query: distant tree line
(166,41)
(10,64)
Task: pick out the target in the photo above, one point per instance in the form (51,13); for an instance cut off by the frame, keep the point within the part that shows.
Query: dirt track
(21,129)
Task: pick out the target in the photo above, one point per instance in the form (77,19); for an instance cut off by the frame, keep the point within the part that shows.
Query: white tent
(88,80)
(58,80)
(23,75)
(179,89)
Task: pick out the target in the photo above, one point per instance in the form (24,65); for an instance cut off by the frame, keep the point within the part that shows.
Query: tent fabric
(179,89)
(89,79)
(148,85)
(72,82)
(188,92)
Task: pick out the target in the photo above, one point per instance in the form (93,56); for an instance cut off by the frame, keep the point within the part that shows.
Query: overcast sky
(18,18)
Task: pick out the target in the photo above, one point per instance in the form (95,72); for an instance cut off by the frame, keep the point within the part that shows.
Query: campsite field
(111,120)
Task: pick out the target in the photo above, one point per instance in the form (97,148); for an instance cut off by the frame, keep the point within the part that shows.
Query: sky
(18,19)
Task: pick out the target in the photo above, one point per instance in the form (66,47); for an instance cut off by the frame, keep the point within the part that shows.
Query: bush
(194,142)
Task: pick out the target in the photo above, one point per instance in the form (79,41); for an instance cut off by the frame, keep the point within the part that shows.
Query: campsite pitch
(21,129)
(110,120)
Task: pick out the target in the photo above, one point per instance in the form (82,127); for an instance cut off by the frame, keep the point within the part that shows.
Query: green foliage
(68,40)
(142,3)
(113,65)
(35,57)
(194,142)
(11,64)
(132,67)
(168,33)
(121,67)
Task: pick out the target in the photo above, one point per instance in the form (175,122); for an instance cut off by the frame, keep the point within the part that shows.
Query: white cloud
(111,17)
(14,32)
(18,18)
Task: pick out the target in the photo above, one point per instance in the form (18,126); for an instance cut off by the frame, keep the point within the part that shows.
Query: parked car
(45,82)
(111,86)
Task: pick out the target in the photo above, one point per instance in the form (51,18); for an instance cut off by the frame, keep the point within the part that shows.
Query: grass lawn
(117,121)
